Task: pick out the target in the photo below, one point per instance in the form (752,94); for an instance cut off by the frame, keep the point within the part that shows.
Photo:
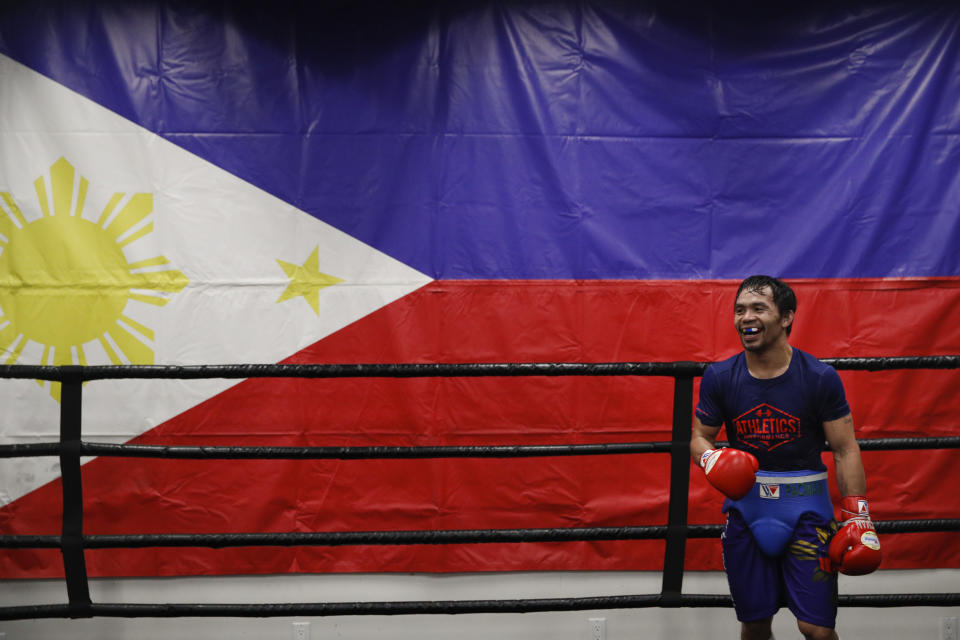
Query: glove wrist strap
(703,457)
(854,507)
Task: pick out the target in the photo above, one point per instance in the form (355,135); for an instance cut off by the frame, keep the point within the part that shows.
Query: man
(781,544)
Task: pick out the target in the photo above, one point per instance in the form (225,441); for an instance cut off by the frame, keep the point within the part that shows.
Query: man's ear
(786,319)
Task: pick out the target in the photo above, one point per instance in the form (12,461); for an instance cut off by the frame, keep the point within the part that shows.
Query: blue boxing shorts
(772,544)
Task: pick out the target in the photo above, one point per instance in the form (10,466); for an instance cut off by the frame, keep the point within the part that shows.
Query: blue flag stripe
(574,140)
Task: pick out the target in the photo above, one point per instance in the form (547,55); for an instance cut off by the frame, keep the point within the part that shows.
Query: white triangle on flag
(230,250)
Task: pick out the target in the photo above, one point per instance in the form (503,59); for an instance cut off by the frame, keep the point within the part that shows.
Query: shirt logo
(765,427)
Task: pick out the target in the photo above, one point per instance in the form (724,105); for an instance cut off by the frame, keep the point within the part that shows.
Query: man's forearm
(699,444)
(851,478)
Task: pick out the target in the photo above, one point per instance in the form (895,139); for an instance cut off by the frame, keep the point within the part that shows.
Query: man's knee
(815,632)
(757,630)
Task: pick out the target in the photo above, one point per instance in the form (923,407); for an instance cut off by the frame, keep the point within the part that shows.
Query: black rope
(31,542)
(379,452)
(33,450)
(444,370)
(900,600)
(322,609)
(898,362)
(343,608)
(917,526)
(428,537)
(370,453)
(342,538)
(894,444)
(669,369)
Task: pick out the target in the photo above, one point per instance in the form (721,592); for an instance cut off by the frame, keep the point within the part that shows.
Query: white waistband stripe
(792,479)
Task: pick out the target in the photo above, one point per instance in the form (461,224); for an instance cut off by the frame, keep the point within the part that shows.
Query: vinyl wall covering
(220,182)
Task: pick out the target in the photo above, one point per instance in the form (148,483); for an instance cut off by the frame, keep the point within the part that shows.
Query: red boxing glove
(731,471)
(855,548)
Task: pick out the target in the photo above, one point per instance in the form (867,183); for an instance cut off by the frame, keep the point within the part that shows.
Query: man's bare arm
(703,438)
(846,456)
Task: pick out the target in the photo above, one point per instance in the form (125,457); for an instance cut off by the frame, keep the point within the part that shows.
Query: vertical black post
(71,541)
(673,557)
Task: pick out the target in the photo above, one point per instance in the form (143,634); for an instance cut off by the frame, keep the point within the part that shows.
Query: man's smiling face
(758,321)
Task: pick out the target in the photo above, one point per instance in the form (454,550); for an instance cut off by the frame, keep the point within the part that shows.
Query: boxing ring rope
(72,542)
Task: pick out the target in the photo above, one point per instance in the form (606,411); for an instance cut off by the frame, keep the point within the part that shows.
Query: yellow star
(306,280)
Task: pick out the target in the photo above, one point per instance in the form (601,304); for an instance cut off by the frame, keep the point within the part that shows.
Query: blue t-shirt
(779,420)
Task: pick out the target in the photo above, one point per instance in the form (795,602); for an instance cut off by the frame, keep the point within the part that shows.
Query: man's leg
(811,593)
(816,632)
(757,630)
(754,579)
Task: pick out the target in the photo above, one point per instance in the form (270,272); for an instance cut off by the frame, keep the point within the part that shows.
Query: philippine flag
(482,182)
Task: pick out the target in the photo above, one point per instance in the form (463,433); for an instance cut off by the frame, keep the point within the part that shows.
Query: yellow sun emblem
(65,281)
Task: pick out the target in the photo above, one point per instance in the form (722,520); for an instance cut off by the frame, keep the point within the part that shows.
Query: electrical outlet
(948,629)
(598,629)
(301,631)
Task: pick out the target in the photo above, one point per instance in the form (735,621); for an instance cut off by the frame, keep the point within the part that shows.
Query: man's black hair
(783,295)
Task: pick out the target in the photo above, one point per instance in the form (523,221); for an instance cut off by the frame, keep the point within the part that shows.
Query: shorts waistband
(790,479)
